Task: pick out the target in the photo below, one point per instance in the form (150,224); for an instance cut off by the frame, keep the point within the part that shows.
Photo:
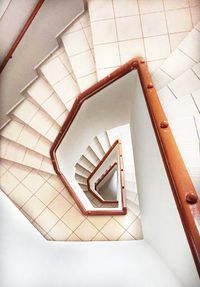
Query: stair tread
(17,153)
(79,48)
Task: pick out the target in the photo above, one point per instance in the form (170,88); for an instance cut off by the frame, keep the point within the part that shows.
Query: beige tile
(128,28)
(136,229)
(175,4)
(87,64)
(19,171)
(157,47)
(12,130)
(179,20)
(2,170)
(86,231)
(67,89)
(28,137)
(147,6)
(154,65)
(60,232)
(75,43)
(85,20)
(40,90)
(194,3)
(33,181)
(12,151)
(59,205)
(87,81)
(8,182)
(130,49)
(107,56)
(47,219)
(112,230)
(100,9)
(33,207)
(20,195)
(41,122)
(25,111)
(99,237)
(73,218)
(121,9)
(154,24)
(52,132)
(126,236)
(125,220)
(99,221)
(104,32)
(55,181)
(43,146)
(73,237)
(5,163)
(46,193)
(32,159)
(54,71)
(67,196)
(50,104)
(175,39)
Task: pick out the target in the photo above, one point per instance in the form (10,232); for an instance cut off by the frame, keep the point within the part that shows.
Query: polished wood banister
(124,209)
(105,174)
(182,187)
(21,35)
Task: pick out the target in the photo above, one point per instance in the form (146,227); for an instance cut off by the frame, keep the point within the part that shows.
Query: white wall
(161,224)
(28,260)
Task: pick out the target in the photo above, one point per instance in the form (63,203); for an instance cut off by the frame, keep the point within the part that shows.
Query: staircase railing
(100,164)
(108,171)
(182,187)
(21,35)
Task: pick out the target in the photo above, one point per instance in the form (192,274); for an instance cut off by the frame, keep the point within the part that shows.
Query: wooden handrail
(21,35)
(124,210)
(105,174)
(182,187)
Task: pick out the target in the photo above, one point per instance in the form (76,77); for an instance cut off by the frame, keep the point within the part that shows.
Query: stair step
(80,179)
(96,147)
(81,170)
(133,207)
(19,154)
(77,41)
(84,162)
(42,94)
(103,140)
(83,187)
(27,137)
(38,120)
(91,156)
(58,72)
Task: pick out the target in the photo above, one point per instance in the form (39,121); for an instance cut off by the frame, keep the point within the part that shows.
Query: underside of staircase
(167,35)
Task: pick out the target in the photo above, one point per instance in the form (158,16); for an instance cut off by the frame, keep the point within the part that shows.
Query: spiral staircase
(102,39)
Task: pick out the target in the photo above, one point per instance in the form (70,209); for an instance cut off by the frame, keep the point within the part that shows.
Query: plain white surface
(161,224)
(27,259)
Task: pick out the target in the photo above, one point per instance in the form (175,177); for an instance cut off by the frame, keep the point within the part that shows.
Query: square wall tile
(33,181)
(104,32)
(67,89)
(157,47)
(128,28)
(179,20)
(147,6)
(73,218)
(100,9)
(86,231)
(107,56)
(154,24)
(191,45)
(122,9)
(112,230)
(195,12)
